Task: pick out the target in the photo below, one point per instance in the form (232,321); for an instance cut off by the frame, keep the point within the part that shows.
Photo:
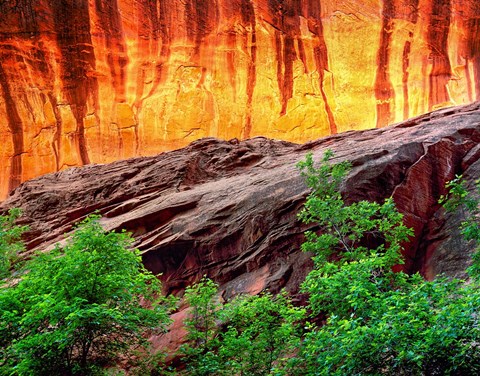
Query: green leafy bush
(10,240)
(261,333)
(201,326)
(251,335)
(345,265)
(458,198)
(377,322)
(366,319)
(79,307)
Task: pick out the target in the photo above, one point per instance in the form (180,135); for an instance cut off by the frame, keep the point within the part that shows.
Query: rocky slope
(96,81)
(227,209)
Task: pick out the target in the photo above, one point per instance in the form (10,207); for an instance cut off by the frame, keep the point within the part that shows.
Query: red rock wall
(93,80)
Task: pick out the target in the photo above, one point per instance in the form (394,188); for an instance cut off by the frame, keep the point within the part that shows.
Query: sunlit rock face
(85,81)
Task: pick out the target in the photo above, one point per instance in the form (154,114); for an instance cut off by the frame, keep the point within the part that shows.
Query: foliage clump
(10,240)
(357,246)
(379,322)
(459,198)
(250,335)
(80,306)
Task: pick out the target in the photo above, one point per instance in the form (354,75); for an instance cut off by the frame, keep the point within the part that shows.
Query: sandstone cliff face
(228,209)
(94,81)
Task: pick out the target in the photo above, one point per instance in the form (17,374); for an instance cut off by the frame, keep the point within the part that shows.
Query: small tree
(80,306)
(10,240)
(357,242)
(201,325)
(378,322)
(459,198)
(262,333)
(251,335)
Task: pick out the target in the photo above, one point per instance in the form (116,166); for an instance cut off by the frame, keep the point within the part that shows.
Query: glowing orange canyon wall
(85,81)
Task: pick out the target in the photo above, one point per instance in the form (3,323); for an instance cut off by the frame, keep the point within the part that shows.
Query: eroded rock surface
(228,209)
(97,81)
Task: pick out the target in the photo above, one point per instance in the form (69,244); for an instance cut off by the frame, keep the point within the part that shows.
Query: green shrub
(79,307)
(459,198)
(378,322)
(251,335)
(10,240)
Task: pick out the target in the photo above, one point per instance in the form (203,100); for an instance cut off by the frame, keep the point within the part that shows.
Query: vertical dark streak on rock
(201,20)
(289,22)
(283,16)
(164,31)
(437,39)
(279,59)
(16,128)
(405,68)
(82,143)
(231,46)
(72,27)
(57,137)
(111,24)
(384,92)
(289,56)
(248,18)
(473,43)
(315,26)
(408,10)
(331,119)
(251,82)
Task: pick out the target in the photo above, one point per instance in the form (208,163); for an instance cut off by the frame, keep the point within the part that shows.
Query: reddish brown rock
(228,209)
(96,81)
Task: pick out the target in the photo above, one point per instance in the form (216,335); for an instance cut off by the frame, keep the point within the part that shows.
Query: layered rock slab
(97,81)
(228,209)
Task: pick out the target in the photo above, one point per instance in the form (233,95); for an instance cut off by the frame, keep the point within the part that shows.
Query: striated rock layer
(95,81)
(228,209)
